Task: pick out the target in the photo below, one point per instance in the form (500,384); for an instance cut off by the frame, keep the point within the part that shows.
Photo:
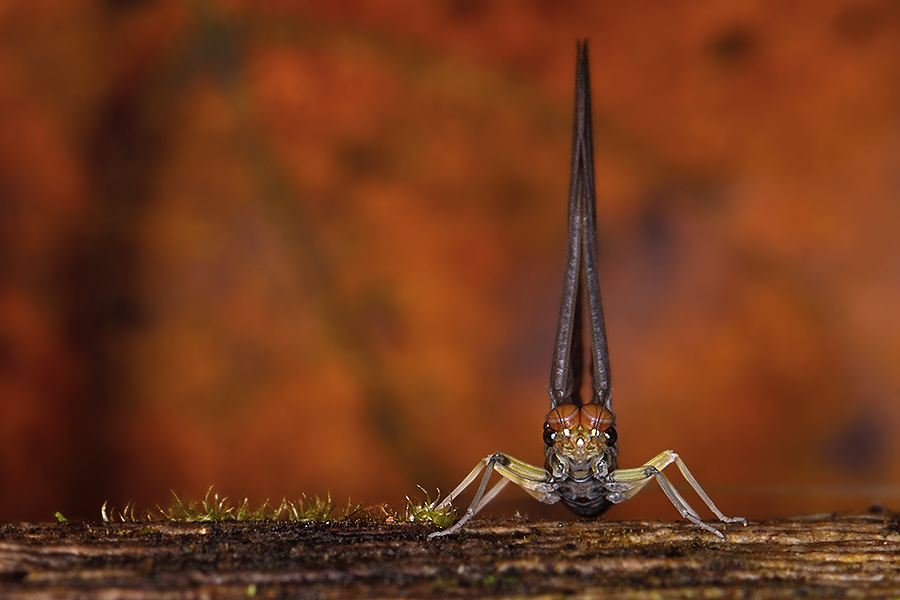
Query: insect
(580,441)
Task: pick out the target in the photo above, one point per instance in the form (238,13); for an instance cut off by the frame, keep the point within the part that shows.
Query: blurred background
(287,247)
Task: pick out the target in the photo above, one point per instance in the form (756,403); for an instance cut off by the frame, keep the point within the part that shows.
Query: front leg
(628,482)
(530,478)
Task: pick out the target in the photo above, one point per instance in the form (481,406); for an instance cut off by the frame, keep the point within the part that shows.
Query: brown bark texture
(853,555)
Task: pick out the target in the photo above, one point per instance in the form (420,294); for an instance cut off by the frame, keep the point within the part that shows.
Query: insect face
(580,441)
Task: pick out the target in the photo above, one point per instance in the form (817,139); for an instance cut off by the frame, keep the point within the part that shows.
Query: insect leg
(465,482)
(629,482)
(530,478)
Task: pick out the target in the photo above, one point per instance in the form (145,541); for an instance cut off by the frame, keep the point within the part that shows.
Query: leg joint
(498,458)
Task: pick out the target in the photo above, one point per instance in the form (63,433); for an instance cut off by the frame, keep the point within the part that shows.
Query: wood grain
(818,556)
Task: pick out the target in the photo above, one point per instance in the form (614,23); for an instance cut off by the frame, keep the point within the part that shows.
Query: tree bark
(818,556)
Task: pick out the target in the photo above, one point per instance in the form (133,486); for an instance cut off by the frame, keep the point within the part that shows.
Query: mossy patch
(306,509)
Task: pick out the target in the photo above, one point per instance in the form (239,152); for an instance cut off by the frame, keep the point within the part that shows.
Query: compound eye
(564,416)
(596,416)
(611,436)
(549,435)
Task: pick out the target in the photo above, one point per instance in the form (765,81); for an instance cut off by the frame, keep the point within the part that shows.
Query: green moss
(213,508)
(428,511)
(306,509)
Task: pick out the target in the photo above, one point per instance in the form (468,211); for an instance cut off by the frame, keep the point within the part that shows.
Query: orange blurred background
(285,247)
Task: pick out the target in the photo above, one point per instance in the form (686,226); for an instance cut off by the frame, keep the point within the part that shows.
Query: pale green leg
(530,478)
(629,482)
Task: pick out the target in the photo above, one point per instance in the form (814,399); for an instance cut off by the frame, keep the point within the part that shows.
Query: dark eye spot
(611,436)
(549,435)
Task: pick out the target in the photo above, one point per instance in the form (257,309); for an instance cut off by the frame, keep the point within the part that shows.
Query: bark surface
(855,555)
